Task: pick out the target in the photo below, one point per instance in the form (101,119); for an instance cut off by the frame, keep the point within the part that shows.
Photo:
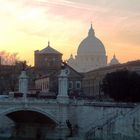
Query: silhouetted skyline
(28,25)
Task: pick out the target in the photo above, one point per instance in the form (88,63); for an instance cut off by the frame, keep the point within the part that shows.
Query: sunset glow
(28,25)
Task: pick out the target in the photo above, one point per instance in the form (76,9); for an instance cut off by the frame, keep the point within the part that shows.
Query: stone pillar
(23,84)
(63,87)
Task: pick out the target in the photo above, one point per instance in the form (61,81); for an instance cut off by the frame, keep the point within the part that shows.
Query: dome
(91,54)
(70,60)
(91,45)
(114,60)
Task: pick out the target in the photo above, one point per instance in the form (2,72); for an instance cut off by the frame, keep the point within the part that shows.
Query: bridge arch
(30,109)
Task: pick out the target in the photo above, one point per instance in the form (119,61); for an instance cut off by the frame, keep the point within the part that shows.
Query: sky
(28,25)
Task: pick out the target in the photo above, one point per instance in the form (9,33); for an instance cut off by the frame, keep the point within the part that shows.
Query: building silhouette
(91,54)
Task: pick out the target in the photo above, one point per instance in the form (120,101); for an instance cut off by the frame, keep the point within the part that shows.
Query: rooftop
(48,50)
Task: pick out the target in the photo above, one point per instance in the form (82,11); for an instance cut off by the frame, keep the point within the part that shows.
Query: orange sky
(27,25)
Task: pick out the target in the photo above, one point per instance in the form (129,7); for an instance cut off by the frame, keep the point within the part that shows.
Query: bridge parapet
(83,113)
(51,108)
(72,102)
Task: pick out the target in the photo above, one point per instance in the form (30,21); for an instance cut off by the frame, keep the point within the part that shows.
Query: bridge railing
(20,99)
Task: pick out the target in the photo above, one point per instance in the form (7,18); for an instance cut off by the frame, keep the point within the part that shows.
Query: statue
(63,66)
(23,65)
(69,125)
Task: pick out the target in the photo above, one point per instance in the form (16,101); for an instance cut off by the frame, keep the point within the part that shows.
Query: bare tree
(8,58)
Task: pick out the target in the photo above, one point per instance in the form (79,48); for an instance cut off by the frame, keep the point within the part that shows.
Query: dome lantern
(91,32)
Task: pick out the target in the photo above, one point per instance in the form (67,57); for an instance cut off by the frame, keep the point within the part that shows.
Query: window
(54,59)
(70,84)
(78,84)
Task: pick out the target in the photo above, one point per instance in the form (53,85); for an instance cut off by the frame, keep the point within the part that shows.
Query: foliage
(8,58)
(9,75)
(122,86)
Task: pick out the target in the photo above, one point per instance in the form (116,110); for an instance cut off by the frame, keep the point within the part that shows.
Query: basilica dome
(91,54)
(91,45)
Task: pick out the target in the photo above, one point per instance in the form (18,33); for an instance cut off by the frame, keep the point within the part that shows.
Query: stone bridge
(86,118)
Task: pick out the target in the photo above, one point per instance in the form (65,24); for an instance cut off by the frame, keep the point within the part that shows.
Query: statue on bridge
(23,81)
(69,125)
(24,65)
(63,86)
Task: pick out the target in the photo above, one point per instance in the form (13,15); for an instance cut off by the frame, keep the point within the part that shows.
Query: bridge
(35,112)
(64,118)
(50,115)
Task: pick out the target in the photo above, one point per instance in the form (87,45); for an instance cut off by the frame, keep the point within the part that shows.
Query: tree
(8,58)
(9,75)
(122,85)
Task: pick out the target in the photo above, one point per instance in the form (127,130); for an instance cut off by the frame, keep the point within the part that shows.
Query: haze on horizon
(28,25)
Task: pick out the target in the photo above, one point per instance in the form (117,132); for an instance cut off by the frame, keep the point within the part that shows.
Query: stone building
(48,59)
(92,80)
(48,63)
(84,83)
(91,54)
(42,84)
(49,83)
(74,81)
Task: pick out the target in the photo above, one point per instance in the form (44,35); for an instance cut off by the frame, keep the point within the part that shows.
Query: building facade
(48,59)
(42,84)
(91,83)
